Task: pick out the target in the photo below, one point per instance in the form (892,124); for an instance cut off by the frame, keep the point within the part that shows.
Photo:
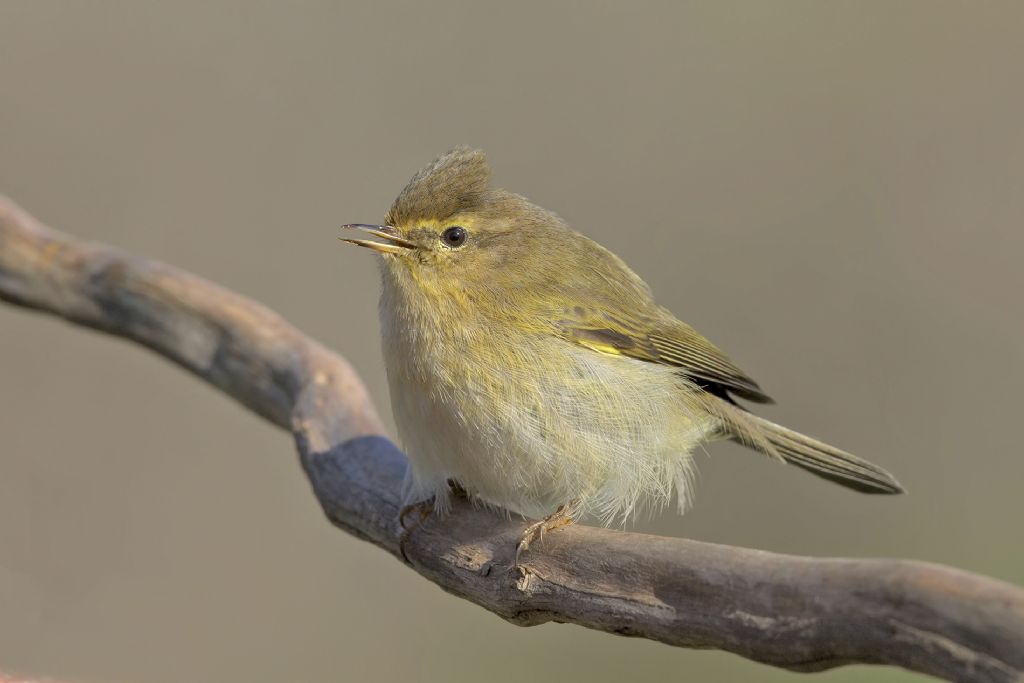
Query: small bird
(532,369)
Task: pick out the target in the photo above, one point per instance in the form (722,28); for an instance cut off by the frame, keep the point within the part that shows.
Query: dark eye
(454,236)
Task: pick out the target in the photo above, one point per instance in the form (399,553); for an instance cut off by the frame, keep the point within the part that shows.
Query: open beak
(389,240)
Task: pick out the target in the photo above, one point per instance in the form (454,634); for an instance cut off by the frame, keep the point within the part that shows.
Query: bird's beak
(392,242)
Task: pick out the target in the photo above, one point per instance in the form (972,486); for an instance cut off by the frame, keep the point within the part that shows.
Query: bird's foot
(561,517)
(422,510)
(419,512)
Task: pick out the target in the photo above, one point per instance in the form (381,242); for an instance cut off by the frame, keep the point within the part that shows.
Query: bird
(531,369)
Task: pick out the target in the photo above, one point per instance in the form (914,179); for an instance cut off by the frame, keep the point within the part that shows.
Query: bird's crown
(455,182)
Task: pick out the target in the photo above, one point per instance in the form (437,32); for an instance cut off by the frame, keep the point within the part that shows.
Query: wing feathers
(666,341)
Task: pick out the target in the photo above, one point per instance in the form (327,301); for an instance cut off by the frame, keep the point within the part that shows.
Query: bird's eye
(454,236)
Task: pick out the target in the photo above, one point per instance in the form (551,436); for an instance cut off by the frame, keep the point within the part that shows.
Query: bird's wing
(661,339)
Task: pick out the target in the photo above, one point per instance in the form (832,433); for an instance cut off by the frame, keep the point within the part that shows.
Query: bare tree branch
(804,614)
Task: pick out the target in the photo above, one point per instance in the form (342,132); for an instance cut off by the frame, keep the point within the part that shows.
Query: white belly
(613,433)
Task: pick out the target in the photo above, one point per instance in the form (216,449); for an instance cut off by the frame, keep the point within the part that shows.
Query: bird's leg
(561,517)
(457,489)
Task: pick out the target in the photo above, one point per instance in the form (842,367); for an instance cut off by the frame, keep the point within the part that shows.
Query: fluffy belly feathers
(528,435)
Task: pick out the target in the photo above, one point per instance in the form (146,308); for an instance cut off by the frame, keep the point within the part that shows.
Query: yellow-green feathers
(531,365)
(453,183)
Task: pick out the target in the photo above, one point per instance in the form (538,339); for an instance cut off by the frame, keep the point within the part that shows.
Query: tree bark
(803,614)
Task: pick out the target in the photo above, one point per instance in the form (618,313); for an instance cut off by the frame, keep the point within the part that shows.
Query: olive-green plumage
(533,367)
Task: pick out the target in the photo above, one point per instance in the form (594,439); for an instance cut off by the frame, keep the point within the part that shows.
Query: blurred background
(829,191)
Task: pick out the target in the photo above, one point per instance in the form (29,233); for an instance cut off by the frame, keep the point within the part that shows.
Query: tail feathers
(804,452)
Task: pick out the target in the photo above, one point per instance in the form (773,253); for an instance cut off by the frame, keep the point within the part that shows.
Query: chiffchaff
(532,367)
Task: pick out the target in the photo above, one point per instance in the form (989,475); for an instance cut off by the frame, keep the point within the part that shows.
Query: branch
(803,614)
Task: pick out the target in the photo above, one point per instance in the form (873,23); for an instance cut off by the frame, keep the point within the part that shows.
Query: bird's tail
(803,451)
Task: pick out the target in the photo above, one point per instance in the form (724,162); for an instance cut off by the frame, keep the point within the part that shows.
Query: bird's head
(449,233)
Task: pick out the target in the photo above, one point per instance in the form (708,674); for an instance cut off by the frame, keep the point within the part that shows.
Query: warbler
(531,368)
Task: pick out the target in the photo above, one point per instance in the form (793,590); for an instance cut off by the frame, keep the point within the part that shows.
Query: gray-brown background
(831,192)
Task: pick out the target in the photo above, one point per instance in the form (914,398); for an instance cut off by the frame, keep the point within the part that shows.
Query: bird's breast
(526,419)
